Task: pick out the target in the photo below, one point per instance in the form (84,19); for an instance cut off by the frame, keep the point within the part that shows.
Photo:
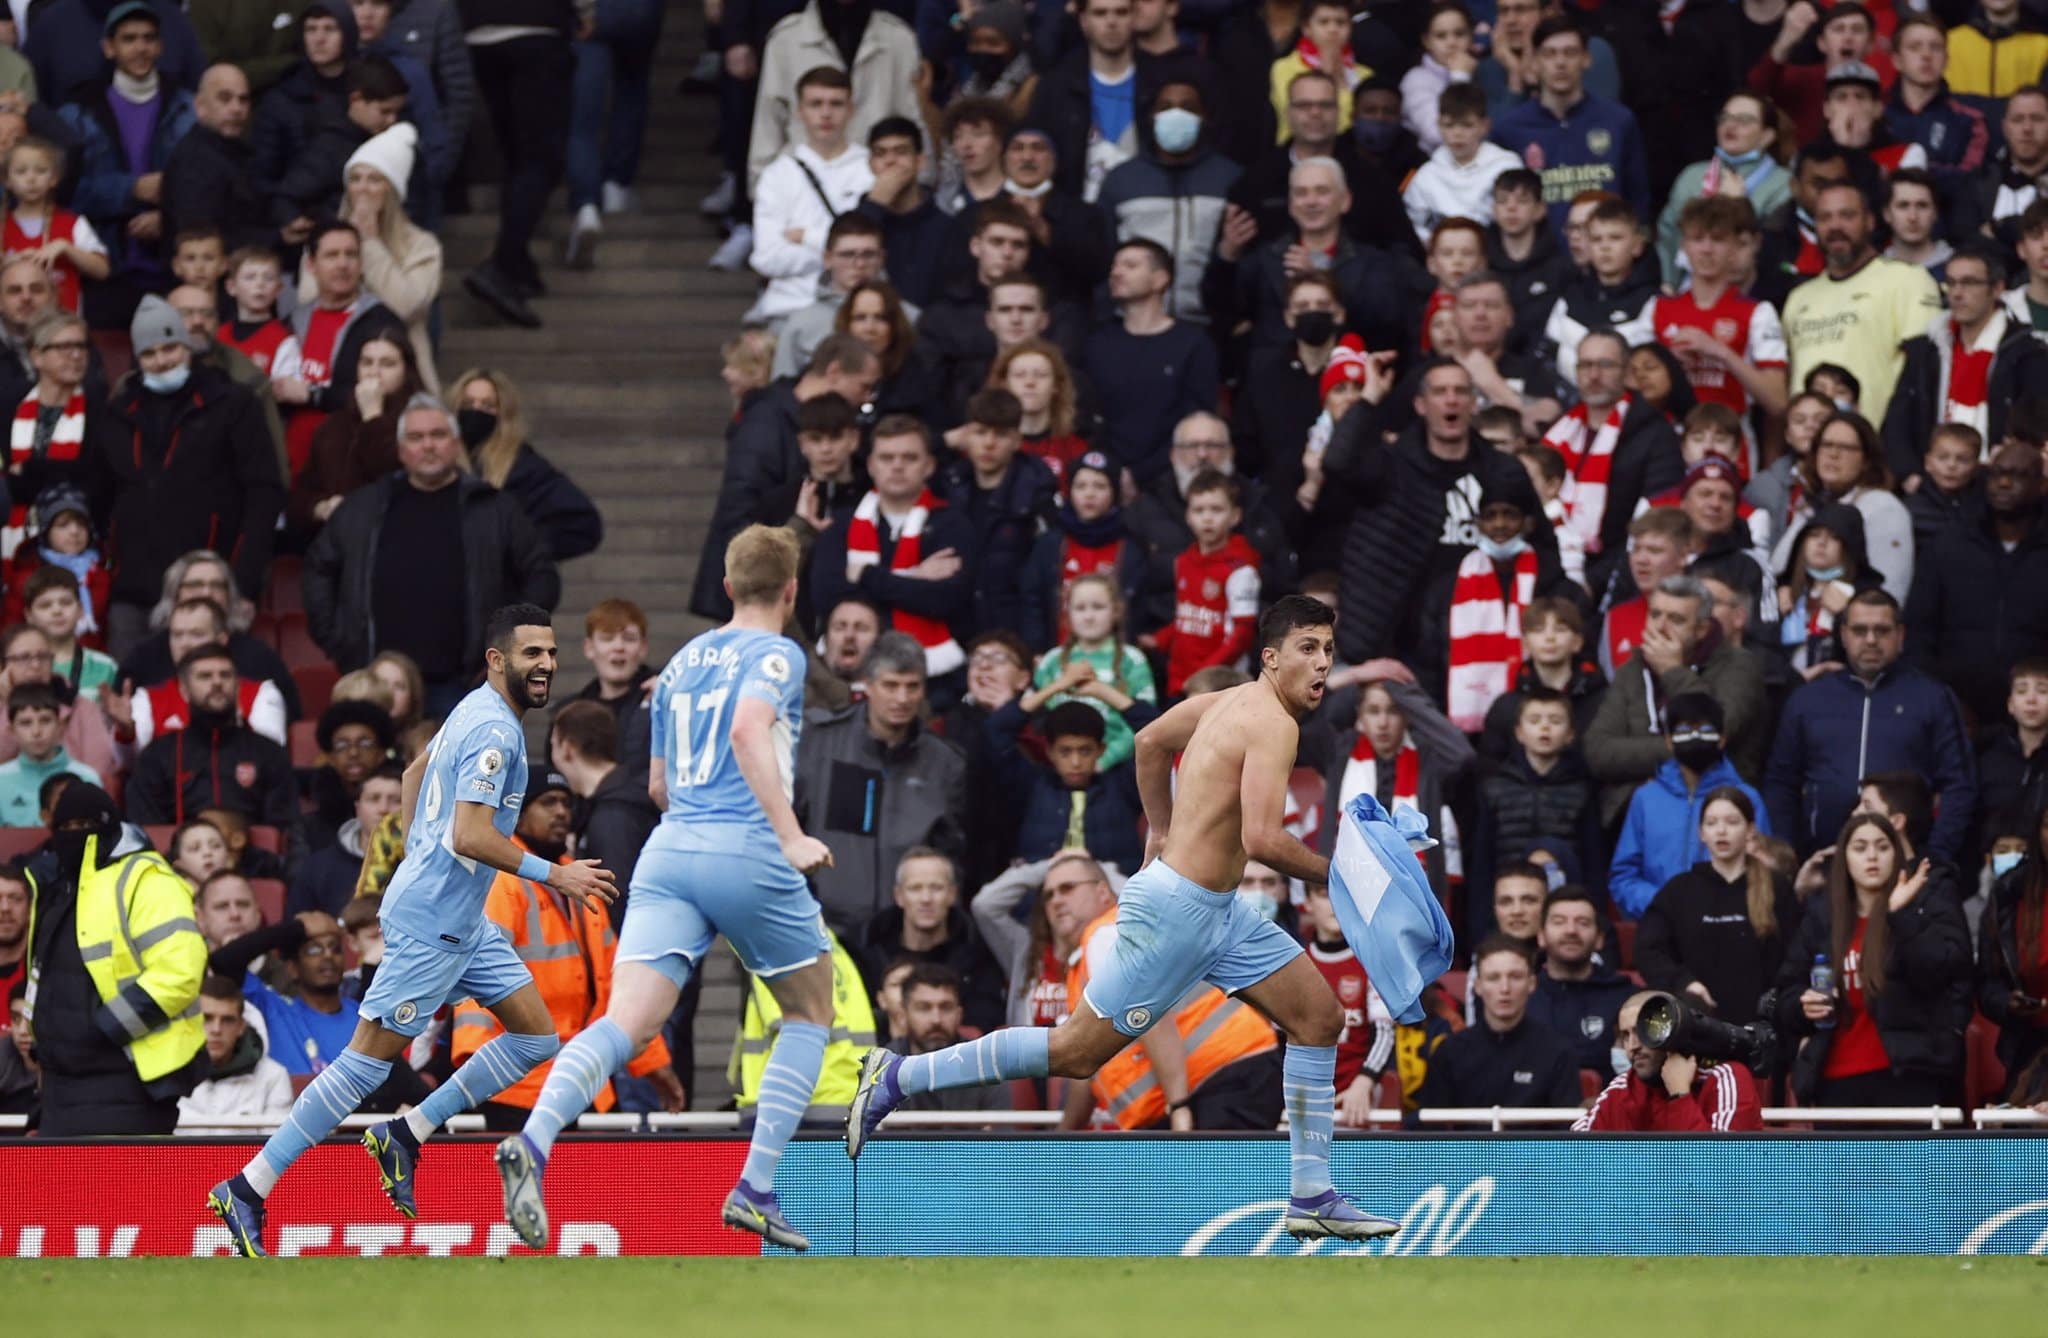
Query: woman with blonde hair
(402,693)
(493,425)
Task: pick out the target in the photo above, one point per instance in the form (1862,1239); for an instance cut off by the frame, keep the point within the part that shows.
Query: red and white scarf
(1588,461)
(942,654)
(1486,636)
(1966,377)
(66,441)
(1362,776)
(1348,68)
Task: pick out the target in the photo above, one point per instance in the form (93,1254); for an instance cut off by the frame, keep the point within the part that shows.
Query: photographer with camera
(1717,932)
(1670,1090)
(2012,956)
(1889,1031)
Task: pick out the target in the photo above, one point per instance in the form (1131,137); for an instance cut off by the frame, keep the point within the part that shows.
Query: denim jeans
(614,65)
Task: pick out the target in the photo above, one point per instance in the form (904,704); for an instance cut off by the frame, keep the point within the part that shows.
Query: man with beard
(1663,1091)
(216,760)
(462,793)
(1617,450)
(931,1002)
(834,677)
(1857,311)
(1578,995)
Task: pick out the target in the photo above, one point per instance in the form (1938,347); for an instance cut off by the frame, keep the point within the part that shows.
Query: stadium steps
(622,392)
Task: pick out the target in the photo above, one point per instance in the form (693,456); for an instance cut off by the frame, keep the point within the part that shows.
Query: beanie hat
(1005,17)
(1712,467)
(156,323)
(391,153)
(1347,363)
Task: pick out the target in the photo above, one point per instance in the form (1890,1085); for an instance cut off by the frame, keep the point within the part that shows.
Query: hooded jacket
(1178,205)
(1925,1005)
(285,116)
(1660,837)
(1624,749)
(1838,729)
(1697,929)
(2019,366)
(1977,609)
(1794,629)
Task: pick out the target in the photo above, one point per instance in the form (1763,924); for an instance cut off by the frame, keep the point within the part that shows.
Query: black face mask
(1315,328)
(1697,755)
(987,66)
(476,426)
(1376,136)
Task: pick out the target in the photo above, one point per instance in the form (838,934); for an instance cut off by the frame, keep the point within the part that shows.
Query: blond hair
(759,562)
(492,458)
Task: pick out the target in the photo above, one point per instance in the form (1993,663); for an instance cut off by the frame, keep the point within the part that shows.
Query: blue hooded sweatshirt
(1660,837)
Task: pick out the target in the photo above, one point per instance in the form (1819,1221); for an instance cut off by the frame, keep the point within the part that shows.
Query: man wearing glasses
(27,294)
(1970,365)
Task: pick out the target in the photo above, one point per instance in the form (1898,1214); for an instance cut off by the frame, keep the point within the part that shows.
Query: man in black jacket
(216,761)
(1993,204)
(1578,995)
(1975,321)
(1069,239)
(1376,216)
(1158,518)
(1007,497)
(210,181)
(921,239)
(1980,598)
(927,924)
(1064,104)
(1508,1058)
(286,115)
(418,560)
(763,463)
(616,813)
(192,466)
(1420,510)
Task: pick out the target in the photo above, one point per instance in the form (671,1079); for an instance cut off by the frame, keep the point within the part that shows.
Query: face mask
(1741,162)
(166,383)
(1175,129)
(1376,136)
(1553,877)
(1825,574)
(2005,862)
(476,426)
(987,66)
(1845,405)
(1315,327)
(1261,905)
(1503,552)
(1027,192)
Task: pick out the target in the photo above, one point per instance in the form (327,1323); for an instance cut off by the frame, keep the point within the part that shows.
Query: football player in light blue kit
(462,794)
(728,857)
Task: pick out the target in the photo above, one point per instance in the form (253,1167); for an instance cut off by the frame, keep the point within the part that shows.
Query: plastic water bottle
(1822,981)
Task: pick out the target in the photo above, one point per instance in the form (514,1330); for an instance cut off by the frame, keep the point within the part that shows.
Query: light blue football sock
(786,1087)
(500,1062)
(585,1065)
(330,1098)
(1308,1086)
(1011,1052)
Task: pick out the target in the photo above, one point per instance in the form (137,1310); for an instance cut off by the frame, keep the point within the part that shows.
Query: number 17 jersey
(710,806)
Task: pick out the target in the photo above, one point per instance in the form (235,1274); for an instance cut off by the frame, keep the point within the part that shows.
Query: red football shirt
(1858,1047)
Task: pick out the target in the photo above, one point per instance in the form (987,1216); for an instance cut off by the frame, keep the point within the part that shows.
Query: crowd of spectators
(1656,394)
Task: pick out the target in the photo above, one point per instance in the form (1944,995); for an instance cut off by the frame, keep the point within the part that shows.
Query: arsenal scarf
(1588,461)
(1348,70)
(1966,387)
(67,439)
(1362,773)
(942,654)
(1486,635)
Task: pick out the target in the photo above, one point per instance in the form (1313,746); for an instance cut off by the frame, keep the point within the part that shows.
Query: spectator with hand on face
(1663,1091)
(26,659)
(359,443)
(326,878)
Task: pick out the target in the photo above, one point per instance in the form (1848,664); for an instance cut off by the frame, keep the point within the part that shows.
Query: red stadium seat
(267,838)
(1983,1075)
(1024,1095)
(305,745)
(1590,1084)
(295,642)
(159,834)
(117,355)
(281,594)
(1306,788)
(269,898)
(20,842)
(316,686)
(1625,943)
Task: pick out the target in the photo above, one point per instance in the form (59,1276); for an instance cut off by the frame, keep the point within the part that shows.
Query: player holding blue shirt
(463,794)
(728,857)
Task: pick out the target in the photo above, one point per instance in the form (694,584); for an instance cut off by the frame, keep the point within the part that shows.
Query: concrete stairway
(622,392)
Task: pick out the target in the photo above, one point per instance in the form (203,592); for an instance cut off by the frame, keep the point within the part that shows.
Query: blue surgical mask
(1833,573)
(1741,162)
(1176,129)
(2005,861)
(1261,905)
(1503,552)
(170,382)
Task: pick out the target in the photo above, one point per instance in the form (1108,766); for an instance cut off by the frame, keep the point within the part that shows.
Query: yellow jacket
(853,1035)
(1983,66)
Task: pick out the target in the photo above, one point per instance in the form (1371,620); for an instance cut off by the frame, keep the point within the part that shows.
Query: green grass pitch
(1038,1298)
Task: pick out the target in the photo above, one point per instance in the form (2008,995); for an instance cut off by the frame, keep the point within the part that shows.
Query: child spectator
(1495,582)
(365,933)
(1216,586)
(1780,490)
(244,857)
(53,606)
(198,851)
(1325,45)
(1616,293)
(1660,836)
(1731,346)
(37,717)
(1458,179)
(1523,251)
(64,541)
(1547,474)
(1071,801)
(313,182)
(1659,542)
(1447,62)
(1088,534)
(746,363)
(1341,385)
(1456,251)
(1828,567)
(2012,771)
(1096,665)
(1553,657)
(1005,496)
(1402,750)
(254,279)
(199,257)
(1949,493)
(1543,791)
(61,241)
